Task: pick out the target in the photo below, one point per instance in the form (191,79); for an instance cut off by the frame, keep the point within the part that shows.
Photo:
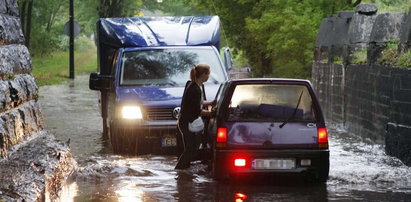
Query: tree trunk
(28,25)
(23,15)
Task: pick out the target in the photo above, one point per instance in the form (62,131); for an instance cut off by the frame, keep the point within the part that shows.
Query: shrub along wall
(33,165)
(368,98)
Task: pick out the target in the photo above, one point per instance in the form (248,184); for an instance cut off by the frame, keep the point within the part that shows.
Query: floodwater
(359,169)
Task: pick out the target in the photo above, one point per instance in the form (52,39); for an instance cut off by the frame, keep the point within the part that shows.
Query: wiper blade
(294,112)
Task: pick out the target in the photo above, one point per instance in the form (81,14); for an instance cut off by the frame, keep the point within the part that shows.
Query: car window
(271,102)
(220,93)
(169,66)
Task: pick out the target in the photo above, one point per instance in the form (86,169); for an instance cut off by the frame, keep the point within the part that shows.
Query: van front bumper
(147,129)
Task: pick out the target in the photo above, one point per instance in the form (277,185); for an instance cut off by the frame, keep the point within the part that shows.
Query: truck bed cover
(114,33)
(159,31)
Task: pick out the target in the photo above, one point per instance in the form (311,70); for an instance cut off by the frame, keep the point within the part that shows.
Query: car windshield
(169,66)
(271,102)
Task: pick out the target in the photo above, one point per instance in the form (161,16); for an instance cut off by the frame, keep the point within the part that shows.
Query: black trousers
(190,147)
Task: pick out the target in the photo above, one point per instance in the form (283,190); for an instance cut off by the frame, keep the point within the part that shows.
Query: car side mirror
(99,82)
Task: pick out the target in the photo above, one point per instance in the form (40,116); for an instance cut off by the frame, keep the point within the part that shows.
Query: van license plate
(273,164)
(168,142)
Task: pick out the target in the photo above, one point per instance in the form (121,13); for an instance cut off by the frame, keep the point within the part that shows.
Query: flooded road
(359,170)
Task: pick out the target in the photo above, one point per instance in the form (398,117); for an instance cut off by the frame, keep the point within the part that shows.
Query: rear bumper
(224,161)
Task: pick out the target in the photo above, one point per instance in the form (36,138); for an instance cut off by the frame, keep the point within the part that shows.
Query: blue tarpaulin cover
(116,33)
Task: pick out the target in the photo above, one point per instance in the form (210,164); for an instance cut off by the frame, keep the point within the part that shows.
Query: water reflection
(69,192)
(129,192)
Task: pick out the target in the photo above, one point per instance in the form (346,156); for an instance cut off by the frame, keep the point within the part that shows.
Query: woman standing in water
(191,108)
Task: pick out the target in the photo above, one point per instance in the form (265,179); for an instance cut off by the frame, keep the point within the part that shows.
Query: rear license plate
(273,164)
(168,141)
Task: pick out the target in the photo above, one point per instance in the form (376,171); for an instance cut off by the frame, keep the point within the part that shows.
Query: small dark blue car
(268,126)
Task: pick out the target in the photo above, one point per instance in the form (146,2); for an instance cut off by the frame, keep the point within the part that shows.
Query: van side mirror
(99,82)
(228,59)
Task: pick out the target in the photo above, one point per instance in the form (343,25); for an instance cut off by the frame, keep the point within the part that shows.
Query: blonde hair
(198,70)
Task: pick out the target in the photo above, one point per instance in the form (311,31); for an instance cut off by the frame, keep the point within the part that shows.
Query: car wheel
(322,173)
(217,171)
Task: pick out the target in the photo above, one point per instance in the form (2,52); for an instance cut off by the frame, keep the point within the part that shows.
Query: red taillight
(322,137)
(240,162)
(240,197)
(221,135)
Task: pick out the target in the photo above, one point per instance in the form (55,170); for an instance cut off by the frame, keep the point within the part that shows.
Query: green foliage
(276,36)
(359,56)
(171,8)
(391,55)
(385,6)
(404,60)
(117,8)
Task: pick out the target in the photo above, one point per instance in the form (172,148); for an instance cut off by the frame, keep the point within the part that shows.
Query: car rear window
(271,102)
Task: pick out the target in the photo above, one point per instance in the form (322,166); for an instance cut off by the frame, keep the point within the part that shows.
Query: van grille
(160,114)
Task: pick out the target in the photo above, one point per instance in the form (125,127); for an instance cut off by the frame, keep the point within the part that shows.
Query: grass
(54,68)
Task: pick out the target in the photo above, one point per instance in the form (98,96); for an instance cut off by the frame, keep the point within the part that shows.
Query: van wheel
(122,141)
(105,129)
(127,141)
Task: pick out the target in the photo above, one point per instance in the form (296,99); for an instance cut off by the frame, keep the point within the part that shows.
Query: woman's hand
(210,103)
(207,114)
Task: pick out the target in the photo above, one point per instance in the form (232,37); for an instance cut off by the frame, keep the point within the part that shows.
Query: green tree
(118,8)
(276,36)
(172,8)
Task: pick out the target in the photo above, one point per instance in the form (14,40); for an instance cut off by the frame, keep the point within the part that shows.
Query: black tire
(218,171)
(123,141)
(322,174)
(105,129)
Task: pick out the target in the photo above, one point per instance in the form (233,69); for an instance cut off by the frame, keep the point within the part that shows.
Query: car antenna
(294,112)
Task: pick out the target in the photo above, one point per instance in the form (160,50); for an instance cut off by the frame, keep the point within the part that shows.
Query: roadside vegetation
(53,68)
(392,55)
(275,38)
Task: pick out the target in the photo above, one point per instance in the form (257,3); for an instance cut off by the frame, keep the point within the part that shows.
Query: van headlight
(131,112)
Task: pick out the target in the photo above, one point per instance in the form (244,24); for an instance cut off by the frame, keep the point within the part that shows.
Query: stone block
(323,36)
(405,33)
(10,30)
(3,7)
(387,26)
(12,8)
(398,142)
(19,125)
(5,99)
(366,9)
(20,89)
(36,171)
(360,28)
(14,59)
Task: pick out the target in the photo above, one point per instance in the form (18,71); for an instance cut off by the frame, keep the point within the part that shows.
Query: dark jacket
(191,103)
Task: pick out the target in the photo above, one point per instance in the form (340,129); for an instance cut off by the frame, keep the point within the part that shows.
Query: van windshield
(271,102)
(169,66)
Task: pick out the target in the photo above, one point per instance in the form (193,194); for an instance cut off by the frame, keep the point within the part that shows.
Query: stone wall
(369,99)
(33,165)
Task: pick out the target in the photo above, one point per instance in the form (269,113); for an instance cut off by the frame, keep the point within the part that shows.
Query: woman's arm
(210,103)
